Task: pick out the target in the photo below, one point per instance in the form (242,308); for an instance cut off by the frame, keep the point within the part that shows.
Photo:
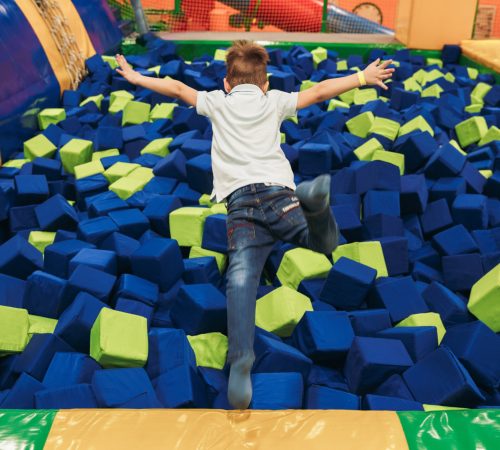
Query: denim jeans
(258,216)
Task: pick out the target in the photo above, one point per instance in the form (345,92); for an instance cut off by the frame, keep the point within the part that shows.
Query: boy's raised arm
(374,75)
(168,87)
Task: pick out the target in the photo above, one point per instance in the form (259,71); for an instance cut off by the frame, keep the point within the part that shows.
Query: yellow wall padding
(229,430)
(42,31)
(429,24)
(485,52)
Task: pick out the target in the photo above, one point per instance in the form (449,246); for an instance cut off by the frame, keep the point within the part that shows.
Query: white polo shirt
(246,137)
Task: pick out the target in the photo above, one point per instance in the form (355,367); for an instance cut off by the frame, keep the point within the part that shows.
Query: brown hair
(246,63)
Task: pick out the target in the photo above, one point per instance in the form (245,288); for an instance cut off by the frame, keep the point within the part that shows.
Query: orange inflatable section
(230,430)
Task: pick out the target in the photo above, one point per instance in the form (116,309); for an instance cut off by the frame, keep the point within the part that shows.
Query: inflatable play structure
(113,259)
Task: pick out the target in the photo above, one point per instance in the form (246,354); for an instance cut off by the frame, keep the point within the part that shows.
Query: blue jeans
(258,216)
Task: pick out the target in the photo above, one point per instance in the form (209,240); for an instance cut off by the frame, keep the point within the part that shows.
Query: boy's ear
(227,86)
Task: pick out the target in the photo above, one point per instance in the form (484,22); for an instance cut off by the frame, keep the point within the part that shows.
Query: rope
(73,58)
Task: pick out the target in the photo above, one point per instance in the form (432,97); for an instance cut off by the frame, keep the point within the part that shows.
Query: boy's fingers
(382,85)
(385,63)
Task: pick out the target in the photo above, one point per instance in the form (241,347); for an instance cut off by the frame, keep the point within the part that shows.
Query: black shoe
(314,195)
(239,390)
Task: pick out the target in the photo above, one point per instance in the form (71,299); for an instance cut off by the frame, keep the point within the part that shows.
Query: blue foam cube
(22,393)
(31,189)
(124,388)
(18,258)
(394,386)
(471,210)
(282,390)
(447,161)
(454,241)
(314,159)
(436,217)
(200,308)
(104,260)
(414,194)
(417,148)
(371,360)
(158,260)
(123,246)
(370,321)
(38,354)
(273,355)
(58,255)
(12,291)
(322,397)
(67,369)
(399,296)
(96,230)
(440,379)
(347,284)
(44,295)
(201,270)
(131,222)
(55,214)
(477,347)
(91,280)
(446,303)
(199,173)
(67,397)
(419,341)
(324,336)
(380,403)
(461,272)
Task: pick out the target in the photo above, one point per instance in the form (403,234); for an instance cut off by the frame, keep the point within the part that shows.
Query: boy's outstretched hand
(126,70)
(376,74)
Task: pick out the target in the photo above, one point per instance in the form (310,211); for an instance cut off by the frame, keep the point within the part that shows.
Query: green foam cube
(366,150)
(119,339)
(457,146)
(473,73)
(471,130)
(186,225)
(14,325)
(411,84)
(334,104)
(385,127)
(40,325)
(220,54)
(87,169)
(493,134)
(119,104)
(74,153)
(281,310)
(125,187)
(204,200)
(104,153)
(432,76)
(432,91)
(362,96)
(38,146)
(429,408)
(218,208)
(417,123)
(111,60)
(210,349)
(480,90)
(135,113)
(158,147)
(115,95)
(367,253)
(17,163)
(319,54)
(50,115)
(97,99)
(118,170)
(450,77)
(155,69)
(220,258)
(398,159)
(40,239)
(430,319)
(300,264)
(142,173)
(432,61)
(306,84)
(348,96)
(162,111)
(484,300)
(474,108)
(419,76)
(360,125)
(342,65)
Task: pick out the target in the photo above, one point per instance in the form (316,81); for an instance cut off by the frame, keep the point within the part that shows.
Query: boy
(253,177)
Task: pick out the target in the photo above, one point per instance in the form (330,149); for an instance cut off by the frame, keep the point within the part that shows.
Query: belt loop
(253,187)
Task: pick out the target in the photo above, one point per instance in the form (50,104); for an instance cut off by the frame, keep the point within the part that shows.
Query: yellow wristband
(362,80)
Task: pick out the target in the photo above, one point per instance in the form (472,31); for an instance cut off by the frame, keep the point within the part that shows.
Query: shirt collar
(247,87)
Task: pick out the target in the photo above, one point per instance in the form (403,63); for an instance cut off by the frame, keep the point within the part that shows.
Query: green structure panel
(447,430)
(25,429)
